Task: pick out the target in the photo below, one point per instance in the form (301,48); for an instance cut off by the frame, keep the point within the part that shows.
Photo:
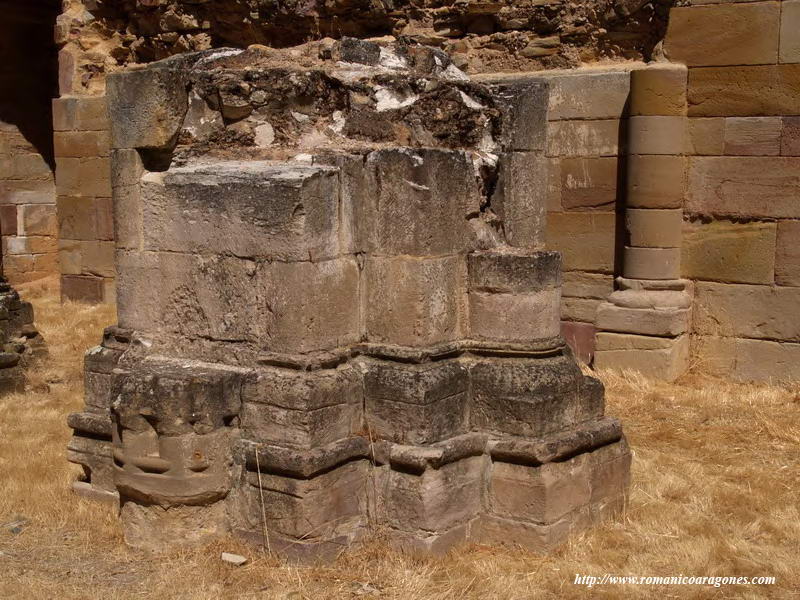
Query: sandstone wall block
(746,91)
(747,311)
(753,136)
(726,251)
(532,397)
(586,240)
(589,183)
(659,90)
(665,358)
(787,254)
(656,181)
(278,212)
(750,187)
(416,404)
(743,34)
(414,301)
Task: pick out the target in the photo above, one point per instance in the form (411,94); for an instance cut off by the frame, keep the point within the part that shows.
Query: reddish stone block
(8,220)
(581,338)
(81,288)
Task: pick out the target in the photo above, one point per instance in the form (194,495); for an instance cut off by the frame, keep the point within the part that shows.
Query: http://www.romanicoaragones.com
(716,581)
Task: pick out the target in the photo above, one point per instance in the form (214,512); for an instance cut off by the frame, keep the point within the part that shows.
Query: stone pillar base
(662,358)
(300,460)
(644,327)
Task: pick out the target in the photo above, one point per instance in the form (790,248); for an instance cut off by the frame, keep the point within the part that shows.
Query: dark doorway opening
(29,70)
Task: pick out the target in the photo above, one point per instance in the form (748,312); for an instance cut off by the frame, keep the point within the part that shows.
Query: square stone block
(248,209)
(517,318)
(414,301)
(745,91)
(662,358)
(647,321)
(416,404)
(583,138)
(744,186)
(586,241)
(742,34)
(790,31)
(302,409)
(322,507)
(280,307)
(514,272)
(520,198)
(729,251)
(82,289)
(787,255)
(532,397)
(589,183)
(542,494)
(753,136)
(416,201)
(435,501)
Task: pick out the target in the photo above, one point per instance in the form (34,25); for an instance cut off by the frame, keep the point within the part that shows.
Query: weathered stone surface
(147,107)
(748,360)
(422,211)
(589,183)
(583,138)
(302,409)
(658,357)
(787,254)
(657,135)
(524,103)
(80,144)
(414,301)
(82,289)
(514,272)
(654,228)
(659,89)
(80,113)
(586,240)
(790,136)
(656,181)
(579,309)
(742,34)
(581,339)
(327,506)
(790,32)
(517,318)
(752,187)
(436,500)
(182,211)
(579,284)
(750,311)
(665,321)
(745,91)
(520,198)
(652,263)
(539,494)
(726,251)
(587,95)
(707,136)
(532,397)
(416,404)
(753,136)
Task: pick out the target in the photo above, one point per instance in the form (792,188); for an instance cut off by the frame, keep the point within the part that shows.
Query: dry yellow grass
(715,483)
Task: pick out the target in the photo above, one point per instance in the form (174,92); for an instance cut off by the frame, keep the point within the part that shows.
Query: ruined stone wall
(27,191)
(98,37)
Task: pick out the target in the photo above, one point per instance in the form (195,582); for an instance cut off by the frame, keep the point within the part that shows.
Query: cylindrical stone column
(643,325)
(656,172)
